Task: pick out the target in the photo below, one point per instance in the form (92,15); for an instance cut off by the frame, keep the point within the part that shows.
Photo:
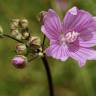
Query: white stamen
(69,37)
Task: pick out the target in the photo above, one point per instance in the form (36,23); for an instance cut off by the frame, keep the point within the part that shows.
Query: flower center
(69,37)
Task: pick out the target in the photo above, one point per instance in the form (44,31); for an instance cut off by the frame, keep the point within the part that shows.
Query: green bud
(19,36)
(14,23)
(34,40)
(24,23)
(21,49)
(25,35)
(40,16)
(16,34)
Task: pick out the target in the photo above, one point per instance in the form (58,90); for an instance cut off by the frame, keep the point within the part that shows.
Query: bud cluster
(30,47)
(19,29)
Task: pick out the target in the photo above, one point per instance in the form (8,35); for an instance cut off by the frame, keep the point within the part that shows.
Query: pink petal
(88,43)
(94,18)
(86,34)
(57,52)
(52,25)
(83,54)
(76,19)
(74,46)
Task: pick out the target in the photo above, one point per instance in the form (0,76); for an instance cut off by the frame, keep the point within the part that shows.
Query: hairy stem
(49,77)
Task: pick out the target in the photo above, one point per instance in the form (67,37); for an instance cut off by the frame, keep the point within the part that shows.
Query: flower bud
(16,34)
(24,23)
(25,35)
(14,23)
(21,49)
(19,61)
(41,16)
(34,40)
(19,36)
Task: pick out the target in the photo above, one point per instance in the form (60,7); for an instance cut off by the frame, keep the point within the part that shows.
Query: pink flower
(73,37)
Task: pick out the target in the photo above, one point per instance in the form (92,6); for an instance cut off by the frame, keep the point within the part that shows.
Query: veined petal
(49,34)
(83,54)
(57,52)
(69,18)
(89,53)
(88,43)
(86,34)
(74,46)
(76,19)
(52,25)
(78,57)
(89,31)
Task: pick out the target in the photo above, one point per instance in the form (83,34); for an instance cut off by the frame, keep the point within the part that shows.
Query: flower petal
(88,43)
(52,25)
(74,46)
(86,34)
(57,52)
(76,19)
(83,54)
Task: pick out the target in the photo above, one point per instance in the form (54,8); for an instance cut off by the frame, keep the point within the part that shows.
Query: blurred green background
(68,78)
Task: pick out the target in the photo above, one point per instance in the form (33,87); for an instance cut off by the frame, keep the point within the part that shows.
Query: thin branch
(6,35)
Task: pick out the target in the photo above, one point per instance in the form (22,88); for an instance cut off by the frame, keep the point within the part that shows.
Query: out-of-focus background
(68,78)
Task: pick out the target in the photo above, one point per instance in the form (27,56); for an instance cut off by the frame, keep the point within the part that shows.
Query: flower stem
(43,42)
(6,35)
(50,83)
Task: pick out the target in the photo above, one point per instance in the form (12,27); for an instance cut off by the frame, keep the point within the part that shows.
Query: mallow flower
(73,37)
